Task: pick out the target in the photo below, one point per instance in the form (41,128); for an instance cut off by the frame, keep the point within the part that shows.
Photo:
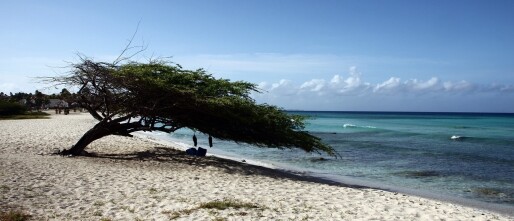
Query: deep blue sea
(461,155)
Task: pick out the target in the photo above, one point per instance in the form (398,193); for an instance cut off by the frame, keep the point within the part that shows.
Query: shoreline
(343,181)
(134,178)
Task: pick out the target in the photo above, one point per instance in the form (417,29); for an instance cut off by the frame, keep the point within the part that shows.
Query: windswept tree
(162,96)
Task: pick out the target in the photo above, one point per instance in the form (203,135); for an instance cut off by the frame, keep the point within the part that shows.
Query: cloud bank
(354,85)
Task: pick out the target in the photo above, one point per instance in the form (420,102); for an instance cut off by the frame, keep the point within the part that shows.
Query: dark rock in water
(420,174)
(488,192)
(318,159)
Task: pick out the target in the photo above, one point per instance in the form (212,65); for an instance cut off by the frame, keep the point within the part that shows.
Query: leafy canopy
(166,97)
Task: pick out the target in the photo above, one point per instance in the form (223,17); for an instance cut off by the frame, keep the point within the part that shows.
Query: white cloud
(417,85)
(353,84)
(280,85)
(390,85)
(507,88)
(350,86)
(303,80)
(281,88)
(314,85)
(461,86)
(500,88)
(413,86)
(336,79)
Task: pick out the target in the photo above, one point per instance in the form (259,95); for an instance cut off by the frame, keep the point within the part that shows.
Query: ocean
(467,156)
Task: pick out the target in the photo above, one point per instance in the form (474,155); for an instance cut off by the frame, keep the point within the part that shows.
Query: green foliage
(152,191)
(11,108)
(18,96)
(4,188)
(26,115)
(217,107)
(227,203)
(163,93)
(217,204)
(14,216)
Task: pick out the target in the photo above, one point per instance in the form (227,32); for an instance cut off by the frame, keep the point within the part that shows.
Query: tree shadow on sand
(170,155)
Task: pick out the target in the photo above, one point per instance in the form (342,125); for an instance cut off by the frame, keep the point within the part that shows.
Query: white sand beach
(136,179)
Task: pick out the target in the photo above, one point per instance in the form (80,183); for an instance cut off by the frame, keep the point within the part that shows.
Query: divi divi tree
(162,96)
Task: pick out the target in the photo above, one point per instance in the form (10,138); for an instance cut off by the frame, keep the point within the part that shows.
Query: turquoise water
(404,150)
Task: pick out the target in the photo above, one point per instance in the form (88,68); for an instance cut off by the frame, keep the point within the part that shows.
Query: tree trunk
(100,130)
(90,136)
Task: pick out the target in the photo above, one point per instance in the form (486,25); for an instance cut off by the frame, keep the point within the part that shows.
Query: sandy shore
(135,179)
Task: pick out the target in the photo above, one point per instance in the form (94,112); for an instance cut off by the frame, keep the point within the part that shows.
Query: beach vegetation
(159,95)
(14,111)
(227,203)
(98,203)
(174,215)
(217,205)
(14,215)
(213,212)
(306,217)
(4,188)
(11,108)
(242,213)
(26,116)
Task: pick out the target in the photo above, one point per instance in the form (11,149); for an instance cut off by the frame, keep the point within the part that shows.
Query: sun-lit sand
(135,179)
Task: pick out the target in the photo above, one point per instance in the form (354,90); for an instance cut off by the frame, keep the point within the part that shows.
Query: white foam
(353,126)
(349,125)
(455,137)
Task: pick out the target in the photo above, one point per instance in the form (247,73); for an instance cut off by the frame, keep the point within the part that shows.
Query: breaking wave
(355,126)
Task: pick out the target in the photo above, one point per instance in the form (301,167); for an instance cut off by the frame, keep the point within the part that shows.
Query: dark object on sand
(201,152)
(191,151)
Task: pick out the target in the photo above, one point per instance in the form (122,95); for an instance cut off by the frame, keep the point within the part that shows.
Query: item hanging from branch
(194,140)
(210,141)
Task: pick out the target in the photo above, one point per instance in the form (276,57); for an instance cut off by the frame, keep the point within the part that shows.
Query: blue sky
(309,55)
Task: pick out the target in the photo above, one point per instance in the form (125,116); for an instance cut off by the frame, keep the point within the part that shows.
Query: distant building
(23,101)
(54,103)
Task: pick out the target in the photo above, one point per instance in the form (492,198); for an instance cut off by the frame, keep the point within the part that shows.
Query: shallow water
(404,150)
